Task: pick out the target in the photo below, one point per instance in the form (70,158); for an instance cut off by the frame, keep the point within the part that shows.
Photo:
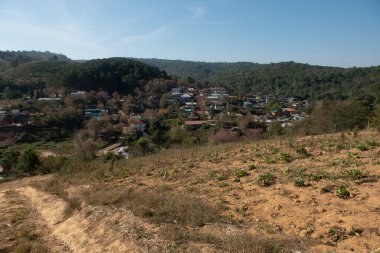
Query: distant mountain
(16,58)
(285,78)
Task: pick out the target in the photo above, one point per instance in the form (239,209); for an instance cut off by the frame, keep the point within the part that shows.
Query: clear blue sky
(324,32)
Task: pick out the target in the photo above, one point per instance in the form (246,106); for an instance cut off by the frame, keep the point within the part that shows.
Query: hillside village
(211,167)
(193,108)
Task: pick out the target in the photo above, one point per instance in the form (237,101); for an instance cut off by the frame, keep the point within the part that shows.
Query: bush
(224,136)
(28,162)
(251,167)
(240,173)
(299,182)
(110,156)
(315,177)
(342,192)
(362,147)
(266,179)
(285,158)
(303,151)
(355,174)
(8,160)
(52,164)
(269,160)
(215,175)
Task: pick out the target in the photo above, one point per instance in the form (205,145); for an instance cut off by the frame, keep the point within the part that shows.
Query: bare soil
(310,217)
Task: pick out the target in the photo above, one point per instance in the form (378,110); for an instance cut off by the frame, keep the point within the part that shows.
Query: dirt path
(24,207)
(21,230)
(77,232)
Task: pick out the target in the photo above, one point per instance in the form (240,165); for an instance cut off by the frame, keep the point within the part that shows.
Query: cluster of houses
(134,123)
(182,95)
(198,107)
(13,117)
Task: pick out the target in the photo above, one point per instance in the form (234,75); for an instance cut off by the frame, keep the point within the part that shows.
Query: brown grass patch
(247,243)
(159,206)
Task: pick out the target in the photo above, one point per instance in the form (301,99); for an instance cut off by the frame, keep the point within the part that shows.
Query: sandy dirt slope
(77,232)
(81,232)
(19,221)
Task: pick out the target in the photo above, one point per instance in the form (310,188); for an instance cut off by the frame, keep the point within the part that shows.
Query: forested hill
(112,74)
(286,78)
(16,58)
(42,69)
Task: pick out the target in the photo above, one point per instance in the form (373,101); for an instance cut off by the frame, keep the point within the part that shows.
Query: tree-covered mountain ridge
(284,78)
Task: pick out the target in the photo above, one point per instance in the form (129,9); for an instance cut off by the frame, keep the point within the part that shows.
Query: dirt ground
(311,210)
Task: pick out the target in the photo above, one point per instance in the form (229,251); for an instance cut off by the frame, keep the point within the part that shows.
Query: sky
(341,33)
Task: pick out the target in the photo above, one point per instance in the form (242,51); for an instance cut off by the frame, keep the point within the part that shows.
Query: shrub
(251,167)
(299,182)
(362,147)
(372,143)
(266,179)
(224,136)
(352,155)
(303,151)
(28,162)
(240,173)
(8,159)
(285,158)
(214,175)
(342,192)
(110,156)
(267,159)
(273,150)
(355,174)
(52,164)
(315,177)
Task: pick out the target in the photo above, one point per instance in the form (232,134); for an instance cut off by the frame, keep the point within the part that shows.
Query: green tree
(8,93)
(142,145)
(28,162)
(376,113)
(8,160)
(276,129)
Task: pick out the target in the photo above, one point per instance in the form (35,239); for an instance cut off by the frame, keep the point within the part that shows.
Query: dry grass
(182,235)
(159,206)
(29,242)
(247,243)
(19,233)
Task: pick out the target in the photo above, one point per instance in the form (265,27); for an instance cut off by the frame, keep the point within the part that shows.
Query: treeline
(47,69)
(338,116)
(286,78)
